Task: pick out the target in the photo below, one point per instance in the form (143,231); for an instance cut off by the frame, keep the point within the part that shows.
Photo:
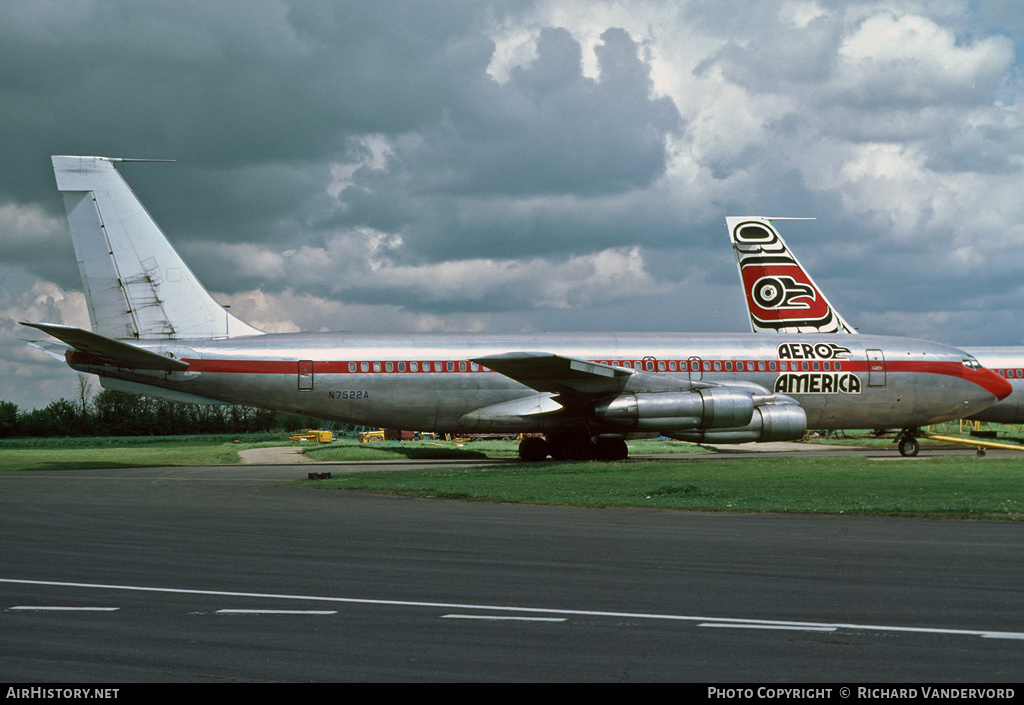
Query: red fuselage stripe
(984,377)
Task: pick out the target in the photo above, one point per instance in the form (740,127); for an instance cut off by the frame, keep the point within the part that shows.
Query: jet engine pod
(657,411)
(771,422)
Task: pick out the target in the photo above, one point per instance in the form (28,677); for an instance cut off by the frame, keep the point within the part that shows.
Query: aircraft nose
(994,383)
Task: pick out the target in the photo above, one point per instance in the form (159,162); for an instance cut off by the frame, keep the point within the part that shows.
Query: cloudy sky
(518,165)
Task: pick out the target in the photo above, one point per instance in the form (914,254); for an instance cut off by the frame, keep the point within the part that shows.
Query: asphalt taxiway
(225,574)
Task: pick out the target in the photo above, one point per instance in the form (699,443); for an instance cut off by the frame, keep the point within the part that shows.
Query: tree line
(111,413)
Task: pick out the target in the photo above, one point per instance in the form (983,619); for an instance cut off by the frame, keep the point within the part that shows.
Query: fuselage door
(694,365)
(305,375)
(650,364)
(876,368)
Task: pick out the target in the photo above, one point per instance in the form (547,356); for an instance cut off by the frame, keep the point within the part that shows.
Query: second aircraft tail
(780,295)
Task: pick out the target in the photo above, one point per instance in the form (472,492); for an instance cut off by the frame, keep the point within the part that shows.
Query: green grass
(347,449)
(960,488)
(127,457)
(118,442)
(126,451)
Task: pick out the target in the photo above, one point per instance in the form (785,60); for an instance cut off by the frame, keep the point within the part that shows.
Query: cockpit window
(971,363)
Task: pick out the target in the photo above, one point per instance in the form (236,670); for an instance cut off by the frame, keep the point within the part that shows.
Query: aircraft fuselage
(430,382)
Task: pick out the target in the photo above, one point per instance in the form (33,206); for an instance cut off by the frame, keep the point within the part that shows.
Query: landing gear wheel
(533,449)
(908,446)
(611,449)
(584,450)
(570,445)
(573,448)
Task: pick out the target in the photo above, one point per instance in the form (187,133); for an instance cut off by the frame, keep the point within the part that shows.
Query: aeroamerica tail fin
(136,284)
(780,295)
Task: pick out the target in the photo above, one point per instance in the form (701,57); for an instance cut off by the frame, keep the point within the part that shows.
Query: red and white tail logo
(780,295)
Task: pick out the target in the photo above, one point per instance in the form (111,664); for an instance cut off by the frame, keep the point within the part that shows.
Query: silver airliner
(781,297)
(156,331)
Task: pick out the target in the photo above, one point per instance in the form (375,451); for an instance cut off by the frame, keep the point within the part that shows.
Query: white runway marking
(802,628)
(57,608)
(503,617)
(276,612)
(987,633)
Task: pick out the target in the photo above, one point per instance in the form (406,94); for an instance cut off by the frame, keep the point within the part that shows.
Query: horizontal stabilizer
(109,351)
(54,350)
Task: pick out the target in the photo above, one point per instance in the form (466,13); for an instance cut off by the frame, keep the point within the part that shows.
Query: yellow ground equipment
(312,437)
(980,445)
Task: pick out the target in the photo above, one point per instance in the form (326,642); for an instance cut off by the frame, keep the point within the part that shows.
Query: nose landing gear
(907,444)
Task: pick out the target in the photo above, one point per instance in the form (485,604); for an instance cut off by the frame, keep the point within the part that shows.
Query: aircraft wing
(631,398)
(573,377)
(107,350)
(547,372)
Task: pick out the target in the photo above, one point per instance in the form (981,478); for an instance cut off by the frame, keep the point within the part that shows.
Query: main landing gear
(906,442)
(572,446)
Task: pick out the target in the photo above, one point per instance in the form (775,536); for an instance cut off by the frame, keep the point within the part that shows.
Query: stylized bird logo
(782,292)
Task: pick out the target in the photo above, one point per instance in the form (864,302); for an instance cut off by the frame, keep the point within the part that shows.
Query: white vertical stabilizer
(136,284)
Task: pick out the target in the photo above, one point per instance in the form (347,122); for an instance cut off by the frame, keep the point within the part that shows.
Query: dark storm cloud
(255,101)
(506,162)
(225,87)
